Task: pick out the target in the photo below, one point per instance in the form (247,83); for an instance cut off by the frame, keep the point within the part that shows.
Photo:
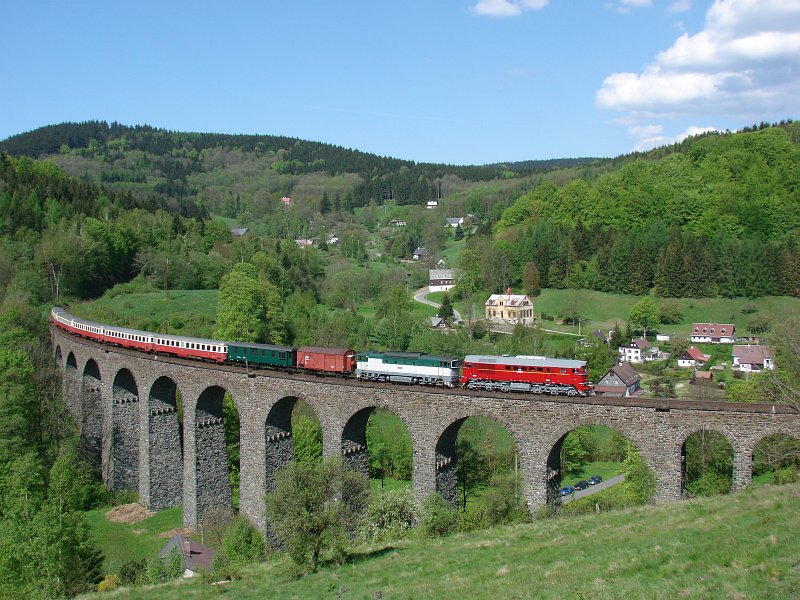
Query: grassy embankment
(744,545)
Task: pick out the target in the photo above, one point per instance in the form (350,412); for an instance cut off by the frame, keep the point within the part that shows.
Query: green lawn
(606,470)
(743,545)
(122,542)
(602,311)
(182,312)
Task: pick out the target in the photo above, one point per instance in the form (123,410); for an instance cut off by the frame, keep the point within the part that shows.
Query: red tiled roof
(714,329)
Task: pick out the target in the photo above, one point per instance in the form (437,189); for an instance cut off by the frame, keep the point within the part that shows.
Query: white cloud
(744,64)
(680,6)
(637,3)
(507,8)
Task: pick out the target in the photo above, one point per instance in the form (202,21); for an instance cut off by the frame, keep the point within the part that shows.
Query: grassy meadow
(743,545)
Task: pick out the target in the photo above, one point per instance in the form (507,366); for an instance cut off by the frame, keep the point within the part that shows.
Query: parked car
(567,490)
(581,485)
(595,479)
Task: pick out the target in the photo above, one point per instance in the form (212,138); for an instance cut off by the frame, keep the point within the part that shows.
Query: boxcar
(327,360)
(261,354)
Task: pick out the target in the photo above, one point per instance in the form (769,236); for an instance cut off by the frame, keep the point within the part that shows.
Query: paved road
(421,295)
(593,489)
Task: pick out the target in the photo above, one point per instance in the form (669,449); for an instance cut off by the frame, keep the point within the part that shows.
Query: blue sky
(452,81)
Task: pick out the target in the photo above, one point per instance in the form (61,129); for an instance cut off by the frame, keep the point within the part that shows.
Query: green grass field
(743,545)
(188,312)
(125,542)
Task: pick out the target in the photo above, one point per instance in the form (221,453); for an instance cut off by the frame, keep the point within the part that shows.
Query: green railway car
(261,354)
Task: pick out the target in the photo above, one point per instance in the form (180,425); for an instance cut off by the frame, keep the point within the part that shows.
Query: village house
(334,240)
(286,201)
(420,253)
(194,555)
(397,223)
(692,357)
(638,351)
(240,232)
(441,324)
(441,280)
(509,308)
(713,333)
(304,243)
(620,380)
(753,359)
(454,221)
(432,204)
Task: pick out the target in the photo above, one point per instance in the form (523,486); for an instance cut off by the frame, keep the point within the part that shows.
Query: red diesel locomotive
(531,374)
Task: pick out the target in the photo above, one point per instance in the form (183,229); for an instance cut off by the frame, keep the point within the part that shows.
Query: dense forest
(718,215)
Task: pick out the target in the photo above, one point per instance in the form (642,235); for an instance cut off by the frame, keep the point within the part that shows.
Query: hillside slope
(741,546)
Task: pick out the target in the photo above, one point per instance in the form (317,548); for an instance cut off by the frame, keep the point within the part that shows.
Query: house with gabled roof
(441,280)
(753,359)
(420,253)
(713,333)
(509,308)
(619,380)
(692,357)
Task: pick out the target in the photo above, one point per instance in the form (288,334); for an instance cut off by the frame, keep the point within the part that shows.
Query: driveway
(421,295)
(593,489)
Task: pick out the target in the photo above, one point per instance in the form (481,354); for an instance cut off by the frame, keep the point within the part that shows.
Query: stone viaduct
(127,405)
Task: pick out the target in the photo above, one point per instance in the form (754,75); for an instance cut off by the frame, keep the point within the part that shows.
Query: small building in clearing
(441,280)
(509,308)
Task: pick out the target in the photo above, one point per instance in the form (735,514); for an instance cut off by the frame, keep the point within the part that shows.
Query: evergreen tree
(446,309)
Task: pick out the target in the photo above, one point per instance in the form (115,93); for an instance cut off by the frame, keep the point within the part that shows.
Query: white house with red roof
(509,308)
(693,357)
(713,333)
(753,359)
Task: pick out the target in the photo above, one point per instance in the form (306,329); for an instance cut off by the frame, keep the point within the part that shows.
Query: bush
(109,583)
(710,483)
(502,503)
(785,475)
(242,544)
(749,308)
(439,517)
(669,313)
(131,571)
(758,324)
(390,516)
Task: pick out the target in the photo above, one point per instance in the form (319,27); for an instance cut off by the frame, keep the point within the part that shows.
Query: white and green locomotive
(408,367)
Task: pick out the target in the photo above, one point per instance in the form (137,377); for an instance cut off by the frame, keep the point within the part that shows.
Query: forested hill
(171,163)
(716,214)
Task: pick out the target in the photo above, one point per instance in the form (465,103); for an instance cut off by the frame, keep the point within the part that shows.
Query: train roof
(321,350)
(525,361)
(260,346)
(409,355)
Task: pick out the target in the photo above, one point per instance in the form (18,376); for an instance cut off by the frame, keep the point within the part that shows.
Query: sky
(446,81)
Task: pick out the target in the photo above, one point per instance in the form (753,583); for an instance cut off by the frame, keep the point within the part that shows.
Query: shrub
(758,324)
(242,544)
(109,583)
(669,313)
(390,516)
(131,571)
(710,483)
(749,308)
(439,517)
(785,475)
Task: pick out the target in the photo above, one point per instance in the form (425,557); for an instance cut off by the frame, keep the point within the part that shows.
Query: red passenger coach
(532,374)
(328,360)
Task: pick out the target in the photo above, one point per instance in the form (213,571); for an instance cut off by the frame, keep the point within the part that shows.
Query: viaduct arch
(128,405)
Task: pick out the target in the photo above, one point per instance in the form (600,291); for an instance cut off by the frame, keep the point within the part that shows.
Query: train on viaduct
(127,407)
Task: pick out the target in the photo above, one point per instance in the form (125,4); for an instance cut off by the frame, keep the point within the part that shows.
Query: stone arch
(686,433)
(58,356)
(354,447)
(212,476)
(124,463)
(71,388)
(762,436)
(555,440)
(446,477)
(91,425)
(165,452)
